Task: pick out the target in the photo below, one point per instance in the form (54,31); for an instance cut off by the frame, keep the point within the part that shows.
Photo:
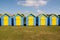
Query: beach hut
(59,20)
(6,20)
(18,20)
(30,20)
(0,21)
(42,19)
(53,19)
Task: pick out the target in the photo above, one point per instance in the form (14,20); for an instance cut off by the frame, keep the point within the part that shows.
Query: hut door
(54,21)
(6,20)
(30,21)
(43,20)
(18,20)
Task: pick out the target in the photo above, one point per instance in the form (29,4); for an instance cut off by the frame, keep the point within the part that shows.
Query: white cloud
(32,2)
(39,12)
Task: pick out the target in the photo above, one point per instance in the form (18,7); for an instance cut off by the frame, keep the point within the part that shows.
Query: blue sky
(35,6)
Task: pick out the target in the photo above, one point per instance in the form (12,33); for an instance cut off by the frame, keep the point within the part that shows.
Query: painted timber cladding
(31,20)
(18,20)
(6,20)
(53,20)
(42,20)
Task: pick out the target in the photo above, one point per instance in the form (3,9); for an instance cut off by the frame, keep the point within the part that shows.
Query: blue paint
(48,21)
(59,21)
(22,20)
(51,20)
(28,20)
(36,21)
(2,19)
(39,20)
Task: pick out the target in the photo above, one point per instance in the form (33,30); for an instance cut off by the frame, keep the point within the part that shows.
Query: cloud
(39,12)
(32,2)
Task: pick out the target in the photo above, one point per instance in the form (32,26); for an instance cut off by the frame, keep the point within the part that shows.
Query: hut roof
(32,15)
(53,15)
(5,14)
(43,15)
(17,14)
(59,16)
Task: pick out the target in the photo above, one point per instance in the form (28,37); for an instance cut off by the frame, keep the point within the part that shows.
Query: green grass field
(30,33)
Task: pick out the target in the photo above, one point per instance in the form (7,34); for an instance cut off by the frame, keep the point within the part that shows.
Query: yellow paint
(42,20)
(54,20)
(18,20)
(30,20)
(6,20)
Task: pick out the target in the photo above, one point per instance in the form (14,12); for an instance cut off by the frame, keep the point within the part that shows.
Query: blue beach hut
(6,20)
(18,20)
(31,20)
(53,19)
(42,20)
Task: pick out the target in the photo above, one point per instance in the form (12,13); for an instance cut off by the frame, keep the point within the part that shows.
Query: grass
(30,33)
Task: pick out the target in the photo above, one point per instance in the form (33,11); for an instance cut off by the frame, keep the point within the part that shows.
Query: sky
(34,6)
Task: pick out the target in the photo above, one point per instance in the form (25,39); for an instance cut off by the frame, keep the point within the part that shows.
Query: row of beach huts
(30,20)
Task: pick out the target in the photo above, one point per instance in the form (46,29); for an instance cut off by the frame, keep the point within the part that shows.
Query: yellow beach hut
(18,20)
(31,20)
(6,20)
(42,19)
(53,19)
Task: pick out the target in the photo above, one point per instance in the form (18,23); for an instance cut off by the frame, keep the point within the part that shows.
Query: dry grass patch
(30,33)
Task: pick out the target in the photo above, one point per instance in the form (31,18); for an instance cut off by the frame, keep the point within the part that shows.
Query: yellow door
(54,22)
(18,20)
(30,20)
(43,20)
(6,20)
